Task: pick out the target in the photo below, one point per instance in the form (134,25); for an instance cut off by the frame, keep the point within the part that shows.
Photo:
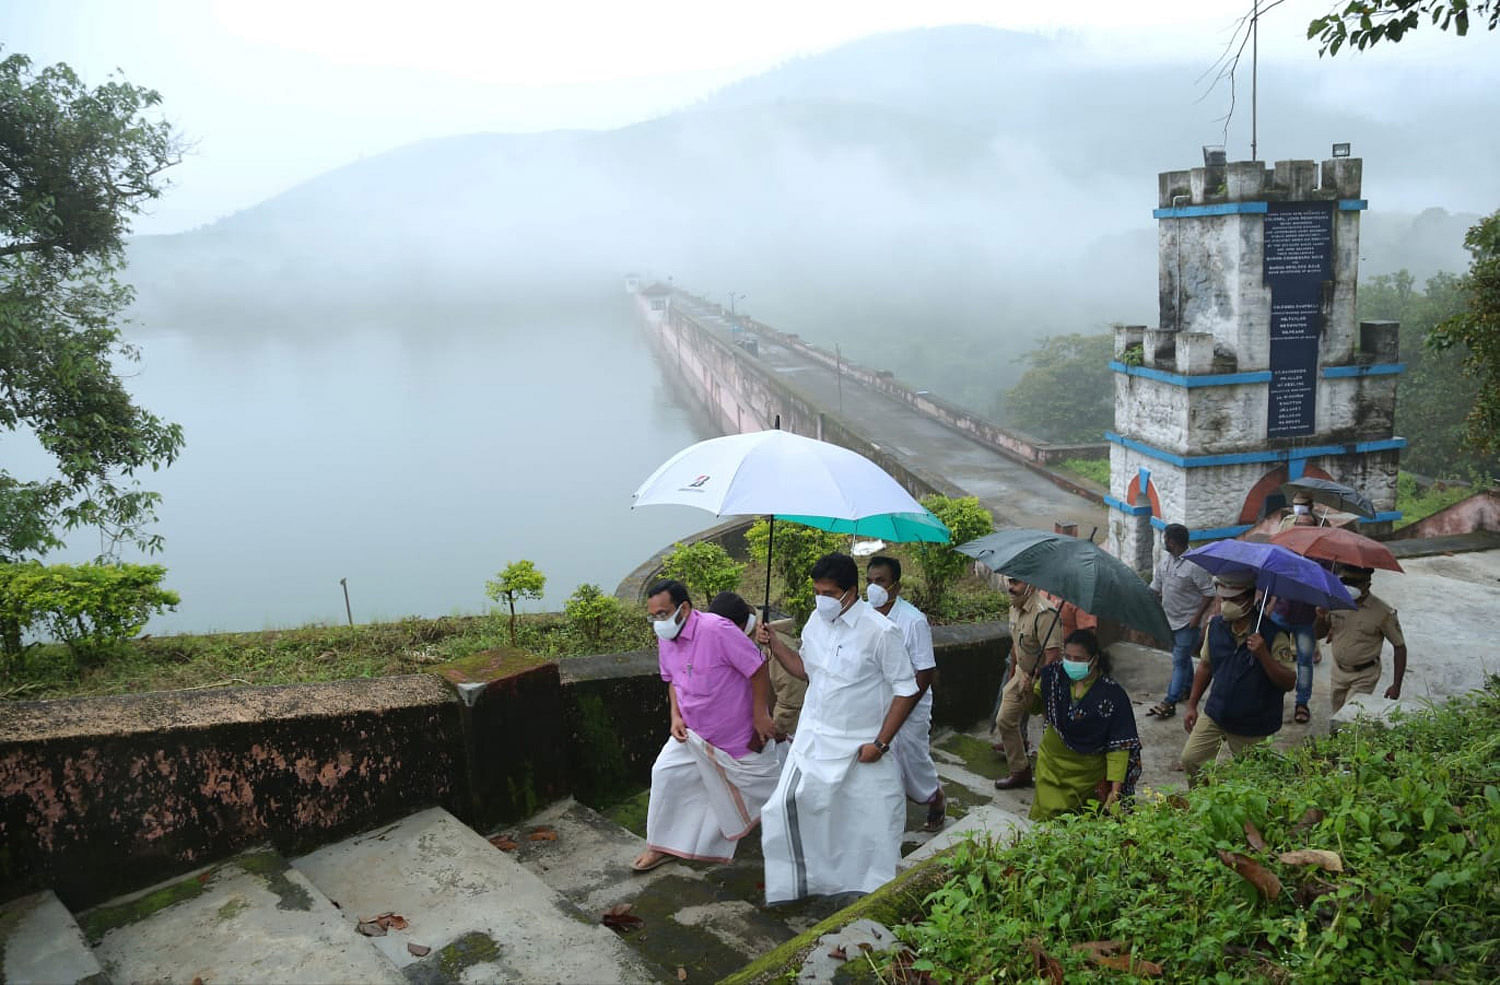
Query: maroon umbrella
(1337,544)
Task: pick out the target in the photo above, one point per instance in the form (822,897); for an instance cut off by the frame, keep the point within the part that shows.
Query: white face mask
(877,595)
(668,628)
(829,608)
(750,626)
(1301,509)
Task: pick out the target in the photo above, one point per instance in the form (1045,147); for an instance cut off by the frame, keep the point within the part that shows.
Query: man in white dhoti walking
(834,823)
(715,772)
(912,750)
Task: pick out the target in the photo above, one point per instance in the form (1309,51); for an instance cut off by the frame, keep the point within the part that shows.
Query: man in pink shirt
(718,768)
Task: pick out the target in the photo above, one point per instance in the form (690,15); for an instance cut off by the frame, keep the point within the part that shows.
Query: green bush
(1204,885)
(941,565)
(88,607)
(794,551)
(1094,469)
(518,580)
(705,568)
(1418,504)
(591,614)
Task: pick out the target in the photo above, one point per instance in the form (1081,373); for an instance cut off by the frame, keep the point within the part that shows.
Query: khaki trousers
(1342,681)
(1204,741)
(1011,722)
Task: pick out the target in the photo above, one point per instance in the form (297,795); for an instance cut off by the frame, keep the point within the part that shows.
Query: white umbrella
(775,472)
(771,472)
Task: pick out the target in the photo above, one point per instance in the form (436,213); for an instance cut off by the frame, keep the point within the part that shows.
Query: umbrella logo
(698,482)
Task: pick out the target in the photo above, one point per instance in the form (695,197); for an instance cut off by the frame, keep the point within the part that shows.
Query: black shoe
(1015,781)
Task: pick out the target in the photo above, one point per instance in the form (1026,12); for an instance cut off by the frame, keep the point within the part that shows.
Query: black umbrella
(1077,571)
(1345,499)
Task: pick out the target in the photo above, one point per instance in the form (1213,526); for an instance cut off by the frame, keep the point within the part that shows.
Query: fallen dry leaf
(1253,837)
(1257,875)
(197,980)
(1178,801)
(681,973)
(370,928)
(503,842)
(1046,965)
(1309,892)
(619,918)
(543,834)
(1310,819)
(1325,860)
(838,954)
(417,950)
(1116,956)
(388,921)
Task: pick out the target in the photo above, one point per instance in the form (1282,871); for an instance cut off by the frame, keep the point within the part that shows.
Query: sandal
(1162,709)
(645,863)
(937,812)
(1302,715)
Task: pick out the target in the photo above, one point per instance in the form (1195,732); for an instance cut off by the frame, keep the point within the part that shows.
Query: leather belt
(1364,666)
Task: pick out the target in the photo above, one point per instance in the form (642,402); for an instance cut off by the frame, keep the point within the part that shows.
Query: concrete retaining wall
(101,796)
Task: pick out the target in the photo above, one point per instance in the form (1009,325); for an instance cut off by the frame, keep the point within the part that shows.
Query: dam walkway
(1016,494)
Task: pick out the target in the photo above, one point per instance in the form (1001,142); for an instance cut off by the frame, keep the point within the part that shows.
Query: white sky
(271,92)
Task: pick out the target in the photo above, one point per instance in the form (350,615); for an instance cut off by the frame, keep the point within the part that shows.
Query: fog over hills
(932,201)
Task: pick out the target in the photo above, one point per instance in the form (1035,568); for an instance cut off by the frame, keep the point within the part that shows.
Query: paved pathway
(1015,495)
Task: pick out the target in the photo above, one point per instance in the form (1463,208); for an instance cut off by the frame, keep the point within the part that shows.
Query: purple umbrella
(1277,572)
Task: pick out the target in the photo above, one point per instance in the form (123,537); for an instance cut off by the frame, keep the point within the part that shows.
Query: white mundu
(919,775)
(834,824)
(703,800)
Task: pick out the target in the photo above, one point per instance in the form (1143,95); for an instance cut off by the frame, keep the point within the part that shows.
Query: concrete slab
(469,903)
(986,821)
(252,919)
(850,943)
(41,944)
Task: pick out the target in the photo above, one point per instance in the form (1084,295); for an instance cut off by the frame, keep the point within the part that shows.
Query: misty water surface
(414,459)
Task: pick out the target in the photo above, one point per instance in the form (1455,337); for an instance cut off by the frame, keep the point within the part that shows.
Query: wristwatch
(884,747)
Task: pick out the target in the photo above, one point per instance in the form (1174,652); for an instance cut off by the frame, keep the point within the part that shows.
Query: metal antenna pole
(1254,75)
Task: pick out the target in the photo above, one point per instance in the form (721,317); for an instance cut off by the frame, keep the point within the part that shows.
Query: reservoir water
(414,455)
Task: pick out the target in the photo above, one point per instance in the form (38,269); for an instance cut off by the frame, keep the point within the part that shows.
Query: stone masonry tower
(1257,372)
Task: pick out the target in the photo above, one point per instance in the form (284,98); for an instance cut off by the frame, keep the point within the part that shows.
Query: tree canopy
(76,165)
(1362,23)
(1475,332)
(1068,393)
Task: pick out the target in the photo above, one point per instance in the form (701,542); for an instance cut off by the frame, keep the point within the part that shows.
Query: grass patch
(1412,814)
(1093,469)
(307,654)
(1416,503)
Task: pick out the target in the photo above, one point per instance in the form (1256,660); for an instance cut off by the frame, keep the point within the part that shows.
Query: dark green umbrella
(1076,571)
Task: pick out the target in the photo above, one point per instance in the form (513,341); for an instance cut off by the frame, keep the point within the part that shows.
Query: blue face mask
(1076,669)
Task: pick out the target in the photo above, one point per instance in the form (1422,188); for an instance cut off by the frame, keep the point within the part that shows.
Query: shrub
(88,607)
(591,614)
(518,580)
(795,549)
(705,568)
(1369,855)
(941,565)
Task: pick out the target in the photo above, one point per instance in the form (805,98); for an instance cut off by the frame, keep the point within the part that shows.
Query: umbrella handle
(765,616)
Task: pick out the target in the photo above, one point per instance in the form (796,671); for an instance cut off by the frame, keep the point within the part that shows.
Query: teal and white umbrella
(897,528)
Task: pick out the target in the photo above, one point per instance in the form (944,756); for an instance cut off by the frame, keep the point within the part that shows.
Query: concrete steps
(40,942)
(482,915)
(464,910)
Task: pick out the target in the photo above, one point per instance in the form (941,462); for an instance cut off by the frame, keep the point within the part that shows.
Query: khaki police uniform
(1034,628)
(1207,736)
(1356,637)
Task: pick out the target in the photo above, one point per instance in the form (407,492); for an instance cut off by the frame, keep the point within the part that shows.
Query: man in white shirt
(1186,590)
(912,749)
(834,823)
